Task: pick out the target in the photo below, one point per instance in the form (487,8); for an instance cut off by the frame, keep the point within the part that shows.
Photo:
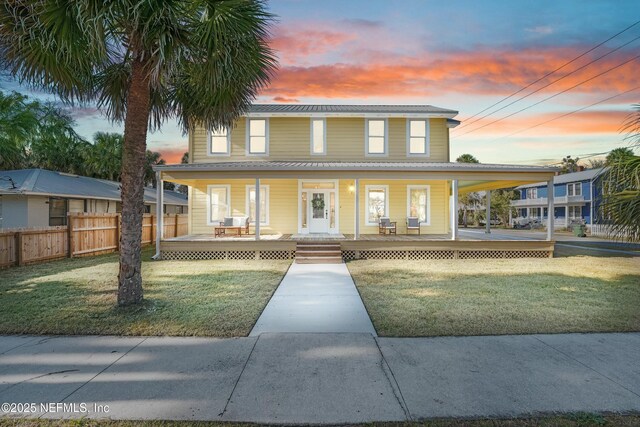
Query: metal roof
(355,166)
(350,109)
(585,175)
(46,182)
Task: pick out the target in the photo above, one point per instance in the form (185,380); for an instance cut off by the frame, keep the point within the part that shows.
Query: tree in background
(152,158)
(569,165)
(617,154)
(597,163)
(621,187)
(18,122)
(469,201)
(467,158)
(55,145)
(104,157)
(501,204)
(185,158)
(143,62)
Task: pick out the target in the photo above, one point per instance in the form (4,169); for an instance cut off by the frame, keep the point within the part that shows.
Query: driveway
(320,378)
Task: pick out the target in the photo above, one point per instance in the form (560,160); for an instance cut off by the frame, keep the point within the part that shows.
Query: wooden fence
(87,234)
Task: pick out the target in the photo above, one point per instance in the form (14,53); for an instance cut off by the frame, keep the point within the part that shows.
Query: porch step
(318,253)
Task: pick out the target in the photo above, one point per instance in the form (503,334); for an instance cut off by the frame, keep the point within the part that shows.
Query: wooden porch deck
(370,246)
(323,238)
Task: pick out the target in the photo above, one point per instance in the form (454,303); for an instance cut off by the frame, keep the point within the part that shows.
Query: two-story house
(574,195)
(332,171)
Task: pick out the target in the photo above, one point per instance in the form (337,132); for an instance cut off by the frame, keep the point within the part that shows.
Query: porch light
(352,188)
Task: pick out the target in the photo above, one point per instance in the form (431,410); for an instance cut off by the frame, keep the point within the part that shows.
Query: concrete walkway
(321,378)
(320,298)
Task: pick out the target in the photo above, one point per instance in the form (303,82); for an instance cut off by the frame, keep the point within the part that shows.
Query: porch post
(257,209)
(159,212)
(550,210)
(356,234)
(454,209)
(488,212)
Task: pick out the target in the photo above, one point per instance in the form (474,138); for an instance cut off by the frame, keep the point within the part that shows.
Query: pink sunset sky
(463,55)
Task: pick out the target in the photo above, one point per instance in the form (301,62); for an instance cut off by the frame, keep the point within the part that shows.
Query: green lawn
(487,297)
(78,296)
(570,420)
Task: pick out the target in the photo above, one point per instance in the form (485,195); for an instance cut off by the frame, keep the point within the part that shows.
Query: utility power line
(552,96)
(568,114)
(589,155)
(554,81)
(557,69)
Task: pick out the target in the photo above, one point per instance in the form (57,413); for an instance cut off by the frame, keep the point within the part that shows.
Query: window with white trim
(575,212)
(418,137)
(219,205)
(264,204)
(258,136)
(376,138)
(377,197)
(318,137)
(532,193)
(574,189)
(418,202)
(219,142)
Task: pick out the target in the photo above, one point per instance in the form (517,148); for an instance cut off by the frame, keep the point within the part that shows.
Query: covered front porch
(342,203)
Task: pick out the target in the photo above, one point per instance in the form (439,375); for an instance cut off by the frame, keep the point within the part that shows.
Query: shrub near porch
(487,297)
(185,298)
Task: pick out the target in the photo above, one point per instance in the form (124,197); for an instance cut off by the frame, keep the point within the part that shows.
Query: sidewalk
(324,378)
(318,298)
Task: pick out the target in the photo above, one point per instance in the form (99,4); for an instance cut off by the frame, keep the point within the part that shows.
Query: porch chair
(413,223)
(385,225)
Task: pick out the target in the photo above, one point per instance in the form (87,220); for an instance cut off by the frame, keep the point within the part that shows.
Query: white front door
(319,207)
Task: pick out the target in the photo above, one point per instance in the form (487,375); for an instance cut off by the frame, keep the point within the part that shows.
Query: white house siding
(37,211)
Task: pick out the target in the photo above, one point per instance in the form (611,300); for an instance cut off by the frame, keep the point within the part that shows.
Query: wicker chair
(413,223)
(385,225)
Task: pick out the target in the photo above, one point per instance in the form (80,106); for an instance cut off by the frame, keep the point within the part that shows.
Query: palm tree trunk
(132,178)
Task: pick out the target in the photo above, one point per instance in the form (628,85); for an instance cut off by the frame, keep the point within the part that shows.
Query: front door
(319,218)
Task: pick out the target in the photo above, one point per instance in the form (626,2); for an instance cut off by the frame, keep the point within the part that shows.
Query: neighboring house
(334,170)
(41,198)
(574,197)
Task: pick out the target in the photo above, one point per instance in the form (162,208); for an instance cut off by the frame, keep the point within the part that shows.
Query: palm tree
(104,158)
(618,153)
(152,158)
(142,62)
(621,187)
(18,122)
(467,158)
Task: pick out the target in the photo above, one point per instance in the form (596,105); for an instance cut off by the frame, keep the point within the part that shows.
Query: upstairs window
(219,142)
(418,137)
(376,138)
(318,137)
(258,137)
(574,189)
(532,193)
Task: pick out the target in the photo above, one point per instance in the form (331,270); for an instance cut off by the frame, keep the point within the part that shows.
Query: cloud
(283,99)
(542,30)
(172,155)
(362,23)
(486,72)
(297,42)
